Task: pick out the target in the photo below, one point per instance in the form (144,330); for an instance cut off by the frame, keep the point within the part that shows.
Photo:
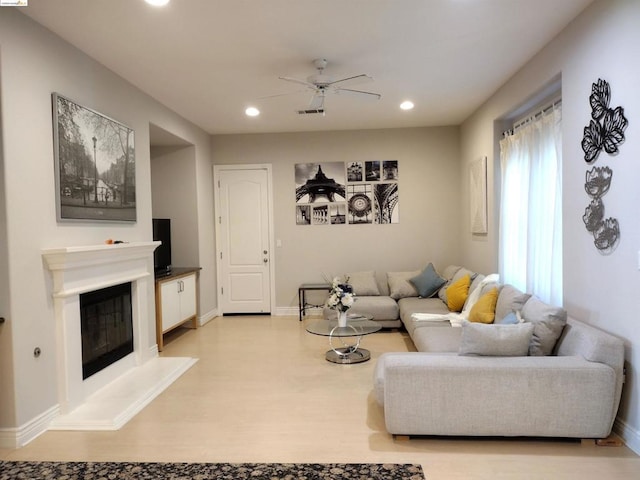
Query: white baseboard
(20,436)
(630,436)
(207,317)
(295,312)
(285,312)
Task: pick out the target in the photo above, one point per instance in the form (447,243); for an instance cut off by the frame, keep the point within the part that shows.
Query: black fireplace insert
(107,327)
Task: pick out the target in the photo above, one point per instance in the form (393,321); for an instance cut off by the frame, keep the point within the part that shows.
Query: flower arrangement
(341,297)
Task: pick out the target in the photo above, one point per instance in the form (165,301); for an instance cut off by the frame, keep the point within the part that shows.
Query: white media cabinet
(176,301)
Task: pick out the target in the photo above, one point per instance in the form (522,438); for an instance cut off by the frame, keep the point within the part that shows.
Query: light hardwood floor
(261,391)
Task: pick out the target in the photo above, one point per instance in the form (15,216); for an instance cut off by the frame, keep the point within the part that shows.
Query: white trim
(294,312)
(92,287)
(153,351)
(111,408)
(207,317)
(79,269)
(630,436)
(20,436)
(272,257)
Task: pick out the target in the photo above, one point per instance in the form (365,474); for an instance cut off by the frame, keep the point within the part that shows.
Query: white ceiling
(209,59)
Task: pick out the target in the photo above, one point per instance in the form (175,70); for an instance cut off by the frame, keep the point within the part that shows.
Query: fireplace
(106,327)
(79,272)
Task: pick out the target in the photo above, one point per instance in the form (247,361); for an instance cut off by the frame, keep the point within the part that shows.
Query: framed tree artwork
(94,164)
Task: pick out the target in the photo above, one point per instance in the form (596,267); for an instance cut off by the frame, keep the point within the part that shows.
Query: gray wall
(599,289)
(429,205)
(33,64)
(173,189)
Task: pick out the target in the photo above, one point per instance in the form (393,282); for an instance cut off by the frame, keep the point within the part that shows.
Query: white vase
(342,319)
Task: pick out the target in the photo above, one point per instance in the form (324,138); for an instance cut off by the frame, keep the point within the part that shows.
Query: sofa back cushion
(364,283)
(548,322)
(510,300)
(452,274)
(400,285)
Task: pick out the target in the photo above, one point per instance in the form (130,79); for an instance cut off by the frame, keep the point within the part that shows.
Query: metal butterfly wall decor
(604,132)
(607,125)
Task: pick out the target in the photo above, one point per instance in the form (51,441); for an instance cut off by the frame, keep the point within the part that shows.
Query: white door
(244,246)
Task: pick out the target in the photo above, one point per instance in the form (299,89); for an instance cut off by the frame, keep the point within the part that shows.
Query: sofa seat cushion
(410,305)
(437,340)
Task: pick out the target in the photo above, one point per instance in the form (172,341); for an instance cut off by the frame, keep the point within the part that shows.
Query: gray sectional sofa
(528,371)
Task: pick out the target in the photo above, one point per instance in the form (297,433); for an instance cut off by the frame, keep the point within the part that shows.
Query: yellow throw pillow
(457,293)
(484,310)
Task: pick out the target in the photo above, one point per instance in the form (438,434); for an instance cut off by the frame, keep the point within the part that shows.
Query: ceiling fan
(322,84)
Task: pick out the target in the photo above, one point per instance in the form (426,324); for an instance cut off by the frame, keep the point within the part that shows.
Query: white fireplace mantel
(76,270)
(74,257)
(82,262)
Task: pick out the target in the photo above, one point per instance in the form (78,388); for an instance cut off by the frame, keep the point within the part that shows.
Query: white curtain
(531,208)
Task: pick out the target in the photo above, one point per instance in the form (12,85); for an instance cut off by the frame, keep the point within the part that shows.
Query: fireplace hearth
(110,397)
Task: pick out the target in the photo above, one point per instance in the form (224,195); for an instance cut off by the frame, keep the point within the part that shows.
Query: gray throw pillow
(495,340)
(548,323)
(510,300)
(364,283)
(427,282)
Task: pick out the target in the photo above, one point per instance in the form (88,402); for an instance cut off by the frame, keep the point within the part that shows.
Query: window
(530,238)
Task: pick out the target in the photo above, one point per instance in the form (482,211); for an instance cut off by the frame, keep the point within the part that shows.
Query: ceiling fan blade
(359,93)
(317,101)
(343,82)
(281,94)
(298,81)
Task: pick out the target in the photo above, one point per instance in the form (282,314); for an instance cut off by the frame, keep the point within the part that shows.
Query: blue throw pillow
(510,319)
(427,282)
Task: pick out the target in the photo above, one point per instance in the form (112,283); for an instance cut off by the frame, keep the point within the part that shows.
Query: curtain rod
(530,118)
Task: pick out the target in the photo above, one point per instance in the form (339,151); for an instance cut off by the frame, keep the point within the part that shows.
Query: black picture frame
(94,164)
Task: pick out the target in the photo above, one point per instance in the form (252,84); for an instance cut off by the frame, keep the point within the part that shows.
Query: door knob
(265,260)
(264,251)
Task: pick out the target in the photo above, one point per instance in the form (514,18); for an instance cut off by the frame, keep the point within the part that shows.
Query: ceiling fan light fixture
(407,105)
(157,3)
(252,112)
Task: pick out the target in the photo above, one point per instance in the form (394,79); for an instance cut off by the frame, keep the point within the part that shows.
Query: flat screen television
(162,254)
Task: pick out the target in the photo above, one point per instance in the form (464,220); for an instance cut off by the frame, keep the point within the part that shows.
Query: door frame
(217,222)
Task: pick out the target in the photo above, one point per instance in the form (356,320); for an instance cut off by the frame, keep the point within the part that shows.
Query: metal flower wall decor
(604,132)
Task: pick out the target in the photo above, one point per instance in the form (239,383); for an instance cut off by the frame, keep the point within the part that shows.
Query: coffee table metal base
(348,355)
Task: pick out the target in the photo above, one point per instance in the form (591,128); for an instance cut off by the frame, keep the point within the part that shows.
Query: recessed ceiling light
(157,3)
(406,105)
(252,112)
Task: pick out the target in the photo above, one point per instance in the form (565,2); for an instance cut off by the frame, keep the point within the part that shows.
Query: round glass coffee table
(357,326)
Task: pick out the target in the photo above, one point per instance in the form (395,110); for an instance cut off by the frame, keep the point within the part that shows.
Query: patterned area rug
(206,471)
